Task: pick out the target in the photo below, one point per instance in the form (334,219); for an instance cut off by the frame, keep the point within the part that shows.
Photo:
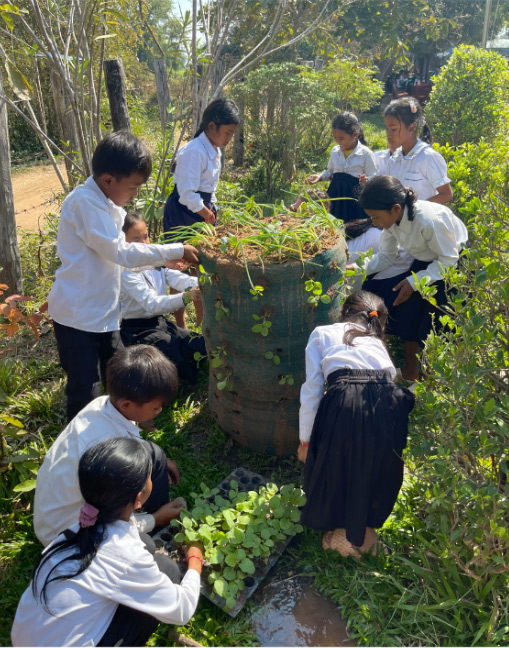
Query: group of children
(101,580)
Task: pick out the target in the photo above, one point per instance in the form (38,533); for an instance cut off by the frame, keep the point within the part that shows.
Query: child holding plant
(144,302)
(99,583)
(350,162)
(352,438)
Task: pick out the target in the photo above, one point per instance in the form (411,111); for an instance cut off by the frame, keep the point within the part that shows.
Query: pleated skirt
(354,468)
(343,185)
(178,215)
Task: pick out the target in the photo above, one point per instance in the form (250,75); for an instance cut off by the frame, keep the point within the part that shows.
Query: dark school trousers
(84,355)
(131,627)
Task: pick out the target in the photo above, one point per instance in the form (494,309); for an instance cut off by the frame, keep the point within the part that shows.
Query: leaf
(11,420)
(230,603)
(247,566)
(18,82)
(104,36)
(25,486)
(229,573)
(220,586)
(231,560)
(187,522)
(215,556)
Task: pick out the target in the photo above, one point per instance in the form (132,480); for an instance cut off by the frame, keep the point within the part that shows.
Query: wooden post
(65,124)
(10,263)
(238,140)
(114,77)
(163,92)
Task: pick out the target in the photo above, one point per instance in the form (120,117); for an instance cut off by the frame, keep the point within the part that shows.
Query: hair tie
(88,515)
(373,314)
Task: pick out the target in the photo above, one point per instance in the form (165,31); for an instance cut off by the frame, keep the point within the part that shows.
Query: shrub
(468,101)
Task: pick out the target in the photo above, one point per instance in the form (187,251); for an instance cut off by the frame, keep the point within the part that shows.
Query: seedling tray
(247,481)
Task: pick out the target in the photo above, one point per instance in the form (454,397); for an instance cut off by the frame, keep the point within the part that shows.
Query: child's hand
(173,472)
(351,266)
(190,255)
(405,292)
(363,178)
(313,179)
(178,264)
(195,294)
(167,513)
(302,452)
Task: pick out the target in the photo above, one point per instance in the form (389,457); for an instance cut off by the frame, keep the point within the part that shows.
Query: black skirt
(343,185)
(354,470)
(178,215)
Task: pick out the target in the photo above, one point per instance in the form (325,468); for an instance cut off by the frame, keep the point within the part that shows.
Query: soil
(36,190)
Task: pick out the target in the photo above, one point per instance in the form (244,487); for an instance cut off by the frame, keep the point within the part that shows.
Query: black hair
(120,154)
(359,307)
(141,373)
(131,218)
(111,474)
(383,192)
(220,111)
(409,111)
(357,227)
(348,122)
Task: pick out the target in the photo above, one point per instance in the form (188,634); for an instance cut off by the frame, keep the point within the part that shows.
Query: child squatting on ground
(84,300)
(352,438)
(139,381)
(433,236)
(144,303)
(350,161)
(100,583)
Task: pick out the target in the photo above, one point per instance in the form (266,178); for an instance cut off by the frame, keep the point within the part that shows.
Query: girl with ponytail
(352,438)
(99,583)
(433,236)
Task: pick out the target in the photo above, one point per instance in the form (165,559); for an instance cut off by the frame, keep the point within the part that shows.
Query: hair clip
(413,106)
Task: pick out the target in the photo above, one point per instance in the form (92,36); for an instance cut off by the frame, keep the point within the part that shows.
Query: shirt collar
(91,184)
(212,152)
(113,413)
(404,224)
(420,146)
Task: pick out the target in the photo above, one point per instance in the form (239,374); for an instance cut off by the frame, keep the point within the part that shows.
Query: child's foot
(337,542)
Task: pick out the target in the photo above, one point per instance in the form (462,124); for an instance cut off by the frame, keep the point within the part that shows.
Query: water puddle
(291,613)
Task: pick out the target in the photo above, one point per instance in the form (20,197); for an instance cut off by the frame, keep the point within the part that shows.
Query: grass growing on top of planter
(248,231)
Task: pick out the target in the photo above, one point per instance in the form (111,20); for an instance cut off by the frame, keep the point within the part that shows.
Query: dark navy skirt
(354,470)
(412,320)
(343,185)
(178,215)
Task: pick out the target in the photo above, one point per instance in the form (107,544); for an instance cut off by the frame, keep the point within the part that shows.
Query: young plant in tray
(240,531)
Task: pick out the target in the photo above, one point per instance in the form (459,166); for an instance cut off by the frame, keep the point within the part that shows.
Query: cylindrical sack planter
(256,375)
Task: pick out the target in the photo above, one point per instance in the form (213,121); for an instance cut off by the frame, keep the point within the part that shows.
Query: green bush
(469,98)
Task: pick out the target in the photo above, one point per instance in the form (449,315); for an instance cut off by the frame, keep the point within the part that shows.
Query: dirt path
(35,195)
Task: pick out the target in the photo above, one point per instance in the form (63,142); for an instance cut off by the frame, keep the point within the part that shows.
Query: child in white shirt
(98,584)
(84,300)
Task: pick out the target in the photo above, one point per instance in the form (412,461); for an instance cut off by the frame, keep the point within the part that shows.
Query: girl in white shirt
(350,161)
(97,584)
(430,233)
(414,162)
(352,438)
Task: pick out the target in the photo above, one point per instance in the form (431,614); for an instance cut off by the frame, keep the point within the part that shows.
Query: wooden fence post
(10,263)
(114,77)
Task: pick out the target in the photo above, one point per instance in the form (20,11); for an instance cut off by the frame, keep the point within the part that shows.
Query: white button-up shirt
(143,294)
(435,235)
(198,169)
(92,249)
(423,169)
(326,352)
(81,608)
(58,499)
(361,160)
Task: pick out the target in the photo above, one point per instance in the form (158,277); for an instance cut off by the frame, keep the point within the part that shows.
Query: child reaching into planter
(352,438)
(144,302)
(99,583)
(350,162)
(431,234)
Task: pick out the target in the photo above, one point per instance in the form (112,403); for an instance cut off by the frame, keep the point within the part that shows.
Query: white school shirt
(143,294)
(326,352)
(92,249)
(423,169)
(382,160)
(360,160)
(198,168)
(435,235)
(370,240)
(58,498)
(122,572)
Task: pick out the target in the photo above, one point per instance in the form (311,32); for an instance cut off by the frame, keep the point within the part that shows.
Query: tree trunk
(114,77)
(10,263)
(238,140)
(163,92)
(65,123)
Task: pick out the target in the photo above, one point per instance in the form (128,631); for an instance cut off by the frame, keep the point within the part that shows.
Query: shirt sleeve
(312,390)
(370,168)
(134,286)
(329,171)
(436,169)
(442,241)
(144,522)
(95,227)
(386,255)
(179,280)
(188,176)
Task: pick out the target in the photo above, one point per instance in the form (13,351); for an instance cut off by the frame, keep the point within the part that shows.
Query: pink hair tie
(88,515)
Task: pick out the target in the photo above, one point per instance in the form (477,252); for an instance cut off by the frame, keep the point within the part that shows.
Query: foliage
(468,100)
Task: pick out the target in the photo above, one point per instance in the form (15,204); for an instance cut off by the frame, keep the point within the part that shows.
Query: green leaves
(263,326)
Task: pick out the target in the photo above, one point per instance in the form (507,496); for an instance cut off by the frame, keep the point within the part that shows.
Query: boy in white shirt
(84,300)
(139,381)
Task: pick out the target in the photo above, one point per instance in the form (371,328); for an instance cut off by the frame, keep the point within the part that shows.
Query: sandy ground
(35,195)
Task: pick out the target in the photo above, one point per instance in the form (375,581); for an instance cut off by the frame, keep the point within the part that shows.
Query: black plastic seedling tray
(247,481)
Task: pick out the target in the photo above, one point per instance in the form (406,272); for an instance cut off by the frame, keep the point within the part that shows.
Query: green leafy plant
(286,379)
(221,310)
(274,356)
(263,326)
(316,288)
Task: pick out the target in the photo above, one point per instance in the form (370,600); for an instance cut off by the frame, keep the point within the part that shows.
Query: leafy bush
(469,98)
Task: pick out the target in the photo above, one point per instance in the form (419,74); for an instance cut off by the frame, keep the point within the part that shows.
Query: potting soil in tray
(247,481)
